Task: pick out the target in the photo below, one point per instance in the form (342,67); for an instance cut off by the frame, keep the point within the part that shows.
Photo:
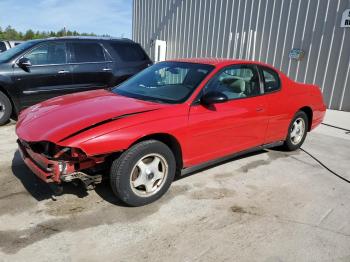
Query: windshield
(165,82)
(12,52)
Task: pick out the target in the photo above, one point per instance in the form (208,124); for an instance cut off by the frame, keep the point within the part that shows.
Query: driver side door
(225,128)
(48,76)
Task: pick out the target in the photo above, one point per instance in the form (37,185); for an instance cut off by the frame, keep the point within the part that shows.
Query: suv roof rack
(92,38)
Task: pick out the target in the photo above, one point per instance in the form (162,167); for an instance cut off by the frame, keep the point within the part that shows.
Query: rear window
(129,52)
(87,52)
(271,80)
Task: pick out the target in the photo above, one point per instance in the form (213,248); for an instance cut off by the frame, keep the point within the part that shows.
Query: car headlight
(68,153)
(56,152)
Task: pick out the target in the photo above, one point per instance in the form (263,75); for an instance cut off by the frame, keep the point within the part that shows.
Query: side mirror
(213,97)
(24,63)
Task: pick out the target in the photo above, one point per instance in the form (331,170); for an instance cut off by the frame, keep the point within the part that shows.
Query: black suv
(37,70)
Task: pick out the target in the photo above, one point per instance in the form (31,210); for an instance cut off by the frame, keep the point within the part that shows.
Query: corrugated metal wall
(264,30)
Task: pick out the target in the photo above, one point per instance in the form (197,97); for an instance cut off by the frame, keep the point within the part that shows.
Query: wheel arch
(170,141)
(309,113)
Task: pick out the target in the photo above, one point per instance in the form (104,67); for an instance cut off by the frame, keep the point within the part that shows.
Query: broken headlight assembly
(68,154)
(57,152)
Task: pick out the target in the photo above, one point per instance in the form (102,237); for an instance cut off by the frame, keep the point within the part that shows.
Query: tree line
(9,33)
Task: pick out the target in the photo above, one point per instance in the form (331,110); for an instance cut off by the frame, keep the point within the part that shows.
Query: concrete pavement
(268,206)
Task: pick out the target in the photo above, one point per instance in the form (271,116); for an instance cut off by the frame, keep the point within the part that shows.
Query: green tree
(10,33)
(29,35)
(61,33)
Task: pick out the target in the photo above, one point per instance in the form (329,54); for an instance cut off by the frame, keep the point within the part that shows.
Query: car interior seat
(233,87)
(238,86)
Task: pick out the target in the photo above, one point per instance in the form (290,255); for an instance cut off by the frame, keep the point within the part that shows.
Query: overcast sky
(112,17)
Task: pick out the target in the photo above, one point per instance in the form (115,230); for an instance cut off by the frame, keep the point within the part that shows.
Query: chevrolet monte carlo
(172,118)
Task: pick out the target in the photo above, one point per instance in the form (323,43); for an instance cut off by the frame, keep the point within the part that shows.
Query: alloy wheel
(297,131)
(148,175)
(2,110)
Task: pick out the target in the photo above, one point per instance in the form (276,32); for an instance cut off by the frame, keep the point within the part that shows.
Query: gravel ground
(267,206)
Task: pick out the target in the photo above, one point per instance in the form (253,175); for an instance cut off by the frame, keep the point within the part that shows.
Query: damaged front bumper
(57,171)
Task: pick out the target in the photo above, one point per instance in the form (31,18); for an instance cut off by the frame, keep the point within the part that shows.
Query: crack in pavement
(242,211)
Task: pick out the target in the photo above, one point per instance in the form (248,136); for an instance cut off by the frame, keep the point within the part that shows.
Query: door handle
(106,69)
(63,72)
(259,109)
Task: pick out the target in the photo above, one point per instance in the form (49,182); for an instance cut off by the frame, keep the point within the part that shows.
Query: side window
(236,82)
(129,52)
(87,52)
(48,53)
(271,80)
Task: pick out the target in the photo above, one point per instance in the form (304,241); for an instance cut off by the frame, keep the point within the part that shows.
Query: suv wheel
(297,131)
(5,109)
(143,173)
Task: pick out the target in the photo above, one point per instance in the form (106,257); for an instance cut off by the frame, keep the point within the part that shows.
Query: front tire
(5,108)
(143,173)
(297,131)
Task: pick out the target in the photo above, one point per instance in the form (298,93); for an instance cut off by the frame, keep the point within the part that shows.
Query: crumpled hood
(61,117)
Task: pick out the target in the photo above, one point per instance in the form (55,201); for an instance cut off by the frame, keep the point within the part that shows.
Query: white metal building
(318,32)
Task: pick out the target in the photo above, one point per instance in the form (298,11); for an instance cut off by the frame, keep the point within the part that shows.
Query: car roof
(88,38)
(220,62)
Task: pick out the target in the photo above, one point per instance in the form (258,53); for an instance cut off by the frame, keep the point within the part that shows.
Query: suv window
(129,52)
(271,80)
(87,52)
(48,53)
(236,82)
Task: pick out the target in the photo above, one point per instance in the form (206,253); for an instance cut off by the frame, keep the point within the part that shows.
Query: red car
(173,117)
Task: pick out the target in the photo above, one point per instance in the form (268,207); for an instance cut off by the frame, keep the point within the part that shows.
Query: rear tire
(5,108)
(143,173)
(297,131)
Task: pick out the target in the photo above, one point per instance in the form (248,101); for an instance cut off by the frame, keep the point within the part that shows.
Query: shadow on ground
(36,187)
(43,191)
(179,177)
(40,190)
